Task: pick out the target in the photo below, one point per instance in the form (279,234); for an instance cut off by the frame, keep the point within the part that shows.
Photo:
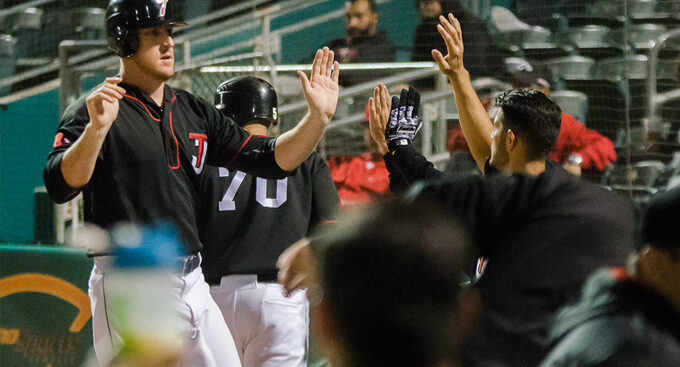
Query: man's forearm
(80,159)
(474,121)
(294,146)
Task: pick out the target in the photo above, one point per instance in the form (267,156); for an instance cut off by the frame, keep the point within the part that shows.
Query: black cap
(660,221)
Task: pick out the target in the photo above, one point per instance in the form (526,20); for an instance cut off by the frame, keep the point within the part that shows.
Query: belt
(268,277)
(189,263)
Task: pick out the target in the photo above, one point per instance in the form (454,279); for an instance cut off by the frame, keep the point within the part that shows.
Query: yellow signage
(42,283)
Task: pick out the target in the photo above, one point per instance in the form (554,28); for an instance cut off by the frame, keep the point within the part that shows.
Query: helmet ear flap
(129,43)
(124,42)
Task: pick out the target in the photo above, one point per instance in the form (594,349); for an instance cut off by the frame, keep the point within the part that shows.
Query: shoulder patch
(60,140)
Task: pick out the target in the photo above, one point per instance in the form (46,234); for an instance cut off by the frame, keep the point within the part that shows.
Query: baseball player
(269,329)
(135,146)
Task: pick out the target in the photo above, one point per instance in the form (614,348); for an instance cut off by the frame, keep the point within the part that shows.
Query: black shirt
(246,222)
(371,49)
(148,166)
(542,234)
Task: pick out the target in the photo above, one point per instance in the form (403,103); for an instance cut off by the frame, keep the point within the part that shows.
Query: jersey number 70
(227,203)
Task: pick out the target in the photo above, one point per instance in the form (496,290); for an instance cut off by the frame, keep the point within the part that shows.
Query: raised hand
(322,90)
(102,103)
(451,32)
(378,115)
(403,123)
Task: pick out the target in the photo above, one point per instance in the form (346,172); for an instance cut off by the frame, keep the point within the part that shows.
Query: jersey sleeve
(233,147)
(406,166)
(70,128)
(325,199)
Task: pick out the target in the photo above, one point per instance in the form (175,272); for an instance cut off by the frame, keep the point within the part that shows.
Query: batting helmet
(125,17)
(247,98)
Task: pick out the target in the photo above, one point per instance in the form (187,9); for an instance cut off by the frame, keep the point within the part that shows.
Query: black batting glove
(404,123)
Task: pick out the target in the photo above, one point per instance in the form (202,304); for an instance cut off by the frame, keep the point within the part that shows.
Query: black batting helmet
(125,17)
(247,98)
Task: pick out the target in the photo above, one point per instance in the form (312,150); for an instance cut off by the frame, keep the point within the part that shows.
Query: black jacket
(373,49)
(617,322)
(542,235)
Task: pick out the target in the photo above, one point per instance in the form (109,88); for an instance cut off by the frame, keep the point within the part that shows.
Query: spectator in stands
(576,148)
(481,53)
(363,42)
(391,295)
(363,178)
(632,316)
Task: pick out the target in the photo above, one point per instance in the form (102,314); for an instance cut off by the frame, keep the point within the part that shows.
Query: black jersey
(246,222)
(543,236)
(148,166)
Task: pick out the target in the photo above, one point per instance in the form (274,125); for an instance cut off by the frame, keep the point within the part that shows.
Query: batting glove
(404,123)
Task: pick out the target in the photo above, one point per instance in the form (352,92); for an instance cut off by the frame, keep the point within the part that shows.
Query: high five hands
(393,123)
(321,90)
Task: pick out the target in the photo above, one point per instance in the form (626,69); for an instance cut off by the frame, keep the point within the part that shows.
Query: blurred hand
(297,267)
(574,169)
(452,34)
(102,103)
(378,115)
(322,90)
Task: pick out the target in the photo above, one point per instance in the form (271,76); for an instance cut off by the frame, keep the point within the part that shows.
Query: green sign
(45,317)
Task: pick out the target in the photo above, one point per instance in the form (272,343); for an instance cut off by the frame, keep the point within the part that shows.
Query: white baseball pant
(210,342)
(269,329)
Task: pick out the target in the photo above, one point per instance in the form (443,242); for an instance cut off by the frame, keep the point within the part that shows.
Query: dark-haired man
(542,229)
(363,41)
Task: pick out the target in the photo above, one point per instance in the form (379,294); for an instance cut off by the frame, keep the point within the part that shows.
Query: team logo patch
(165,4)
(60,140)
(201,142)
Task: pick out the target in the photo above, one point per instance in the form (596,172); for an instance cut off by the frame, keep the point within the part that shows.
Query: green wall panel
(27,130)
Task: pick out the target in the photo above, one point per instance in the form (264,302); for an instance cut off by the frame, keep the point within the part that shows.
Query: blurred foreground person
(388,294)
(631,316)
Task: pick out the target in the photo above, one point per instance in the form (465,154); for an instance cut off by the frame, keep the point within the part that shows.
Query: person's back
(245,222)
(631,313)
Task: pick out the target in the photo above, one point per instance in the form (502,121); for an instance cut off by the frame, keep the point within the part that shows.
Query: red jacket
(597,150)
(359,179)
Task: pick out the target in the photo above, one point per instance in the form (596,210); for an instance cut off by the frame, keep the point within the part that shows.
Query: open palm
(452,34)
(322,90)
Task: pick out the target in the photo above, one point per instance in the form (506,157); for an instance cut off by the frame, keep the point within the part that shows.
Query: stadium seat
(571,67)
(592,41)
(573,102)
(640,36)
(88,23)
(616,7)
(504,20)
(7,59)
(640,177)
(515,64)
(632,67)
(26,27)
